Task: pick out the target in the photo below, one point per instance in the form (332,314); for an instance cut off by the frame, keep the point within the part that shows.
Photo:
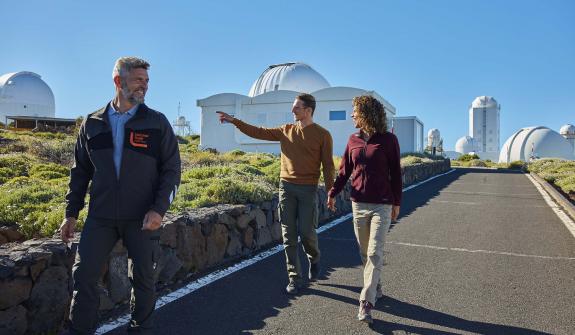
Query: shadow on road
(406,310)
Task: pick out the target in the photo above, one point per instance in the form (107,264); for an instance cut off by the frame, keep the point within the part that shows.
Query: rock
(3,240)
(234,243)
(13,320)
(61,254)
(106,302)
(170,265)
(191,247)
(38,267)
(263,236)
(14,291)
(248,237)
(216,244)
(227,220)
(276,231)
(7,267)
(48,301)
(269,218)
(11,234)
(259,217)
(243,221)
(118,283)
(266,205)
(169,234)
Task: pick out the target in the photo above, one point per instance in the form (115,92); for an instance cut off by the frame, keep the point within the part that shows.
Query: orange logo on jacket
(138,140)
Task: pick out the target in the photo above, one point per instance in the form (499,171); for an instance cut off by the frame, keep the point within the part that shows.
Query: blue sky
(429,58)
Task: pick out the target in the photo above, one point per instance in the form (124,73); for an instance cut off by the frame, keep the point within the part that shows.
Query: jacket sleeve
(170,169)
(395,172)
(327,161)
(345,170)
(80,175)
(261,133)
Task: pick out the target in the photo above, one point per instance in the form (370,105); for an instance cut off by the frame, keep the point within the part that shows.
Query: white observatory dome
(567,130)
(539,142)
(484,102)
(25,94)
(297,77)
(465,145)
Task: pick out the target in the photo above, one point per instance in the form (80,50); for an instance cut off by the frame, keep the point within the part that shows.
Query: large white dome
(297,77)
(484,102)
(25,94)
(465,145)
(567,130)
(537,142)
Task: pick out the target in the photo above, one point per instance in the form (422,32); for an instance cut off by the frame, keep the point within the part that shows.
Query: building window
(336,115)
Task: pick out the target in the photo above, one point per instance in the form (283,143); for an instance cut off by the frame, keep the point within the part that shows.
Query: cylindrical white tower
(484,126)
(568,131)
(433,139)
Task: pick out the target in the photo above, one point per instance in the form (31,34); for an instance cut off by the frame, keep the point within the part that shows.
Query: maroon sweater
(374,168)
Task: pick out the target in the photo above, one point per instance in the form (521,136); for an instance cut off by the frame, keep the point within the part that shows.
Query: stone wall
(35,276)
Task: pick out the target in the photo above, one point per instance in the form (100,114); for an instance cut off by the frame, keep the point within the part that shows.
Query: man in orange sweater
(304,146)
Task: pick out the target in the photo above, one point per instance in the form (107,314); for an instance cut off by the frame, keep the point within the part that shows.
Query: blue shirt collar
(130,111)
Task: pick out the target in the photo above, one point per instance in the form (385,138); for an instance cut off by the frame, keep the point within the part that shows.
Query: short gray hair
(126,64)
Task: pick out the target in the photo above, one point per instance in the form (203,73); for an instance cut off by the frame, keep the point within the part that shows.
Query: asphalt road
(474,252)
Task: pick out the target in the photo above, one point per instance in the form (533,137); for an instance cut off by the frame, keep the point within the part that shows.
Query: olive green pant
(96,242)
(298,216)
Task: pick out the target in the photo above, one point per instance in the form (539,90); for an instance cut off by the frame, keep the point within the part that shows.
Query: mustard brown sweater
(302,151)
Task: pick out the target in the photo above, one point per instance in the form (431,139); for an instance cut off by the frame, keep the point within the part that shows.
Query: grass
(34,172)
(556,171)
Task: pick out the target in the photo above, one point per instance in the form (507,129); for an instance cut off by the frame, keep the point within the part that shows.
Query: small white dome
(25,94)
(465,145)
(536,142)
(298,77)
(567,129)
(484,102)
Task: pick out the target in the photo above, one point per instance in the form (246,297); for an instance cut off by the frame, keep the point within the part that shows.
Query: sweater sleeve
(395,172)
(261,133)
(345,170)
(327,161)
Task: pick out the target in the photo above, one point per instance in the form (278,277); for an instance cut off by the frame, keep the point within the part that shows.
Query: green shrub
(54,151)
(411,160)
(467,157)
(516,165)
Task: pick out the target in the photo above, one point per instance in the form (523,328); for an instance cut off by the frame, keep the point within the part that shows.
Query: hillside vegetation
(34,170)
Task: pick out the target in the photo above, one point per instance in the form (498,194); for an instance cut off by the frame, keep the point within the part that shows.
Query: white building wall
(273,109)
(484,128)
(409,132)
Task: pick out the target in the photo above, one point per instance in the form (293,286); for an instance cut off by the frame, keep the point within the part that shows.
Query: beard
(133,96)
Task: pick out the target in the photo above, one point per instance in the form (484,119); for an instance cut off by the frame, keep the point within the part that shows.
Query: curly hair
(370,114)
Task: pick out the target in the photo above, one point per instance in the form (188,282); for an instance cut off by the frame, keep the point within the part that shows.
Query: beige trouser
(371,223)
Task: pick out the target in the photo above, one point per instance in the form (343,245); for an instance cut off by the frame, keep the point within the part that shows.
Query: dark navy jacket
(149,174)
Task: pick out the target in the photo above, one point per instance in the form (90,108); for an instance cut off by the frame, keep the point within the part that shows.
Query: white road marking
(212,277)
(480,251)
(556,208)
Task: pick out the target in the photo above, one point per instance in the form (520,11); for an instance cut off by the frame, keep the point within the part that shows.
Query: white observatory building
(269,103)
(535,142)
(25,94)
(433,140)
(484,126)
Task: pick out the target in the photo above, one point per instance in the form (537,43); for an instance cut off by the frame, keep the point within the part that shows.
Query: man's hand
(331,204)
(394,212)
(67,229)
(152,221)
(224,117)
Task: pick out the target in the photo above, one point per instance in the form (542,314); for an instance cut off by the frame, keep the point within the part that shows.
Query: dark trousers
(298,216)
(96,242)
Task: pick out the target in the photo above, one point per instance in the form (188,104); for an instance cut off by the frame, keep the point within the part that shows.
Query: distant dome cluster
(25,94)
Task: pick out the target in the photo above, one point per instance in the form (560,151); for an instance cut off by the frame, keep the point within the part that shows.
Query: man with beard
(130,154)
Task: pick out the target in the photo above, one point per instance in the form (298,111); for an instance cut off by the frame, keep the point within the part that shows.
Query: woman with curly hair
(372,160)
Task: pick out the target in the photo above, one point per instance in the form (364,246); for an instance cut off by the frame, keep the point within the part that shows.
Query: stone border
(557,197)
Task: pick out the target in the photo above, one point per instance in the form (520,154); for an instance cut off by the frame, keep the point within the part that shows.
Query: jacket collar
(101,114)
